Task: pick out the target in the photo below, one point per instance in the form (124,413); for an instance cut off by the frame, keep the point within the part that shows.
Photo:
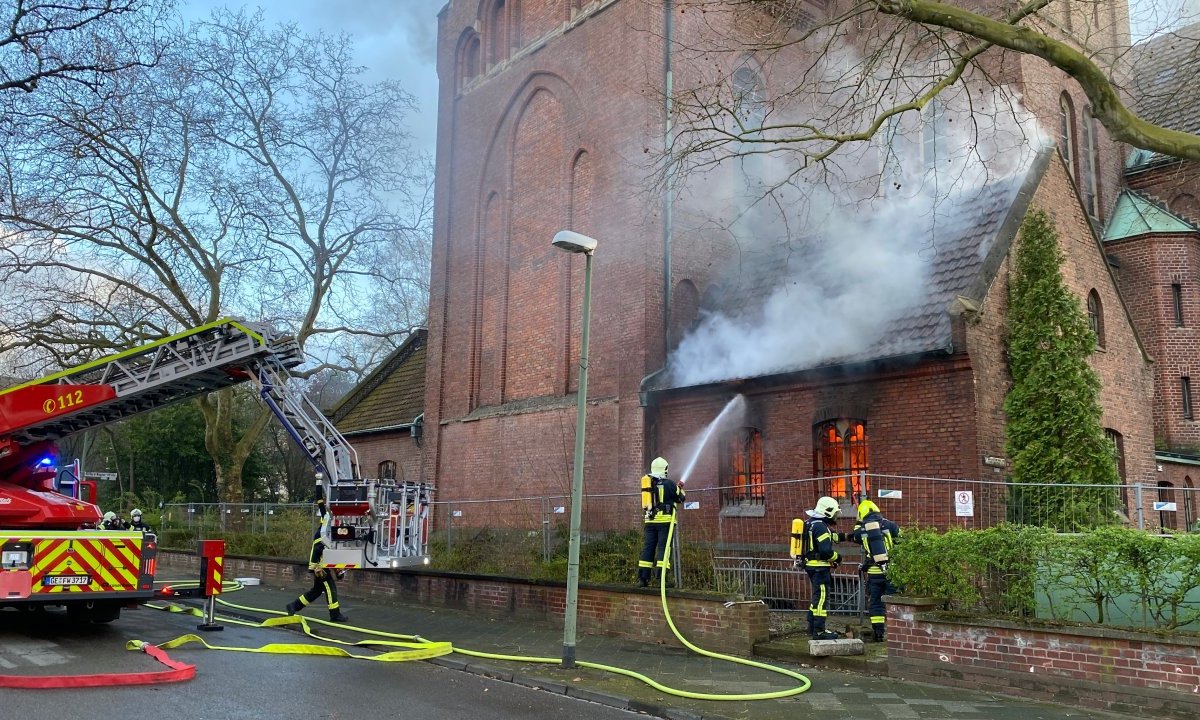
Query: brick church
(550,115)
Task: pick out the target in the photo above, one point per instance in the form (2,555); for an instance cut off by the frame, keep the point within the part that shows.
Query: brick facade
(552,127)
(1115,670)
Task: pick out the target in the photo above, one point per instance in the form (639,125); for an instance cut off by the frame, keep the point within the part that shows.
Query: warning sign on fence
(964,503)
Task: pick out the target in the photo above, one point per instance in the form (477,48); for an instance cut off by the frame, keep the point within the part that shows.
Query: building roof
(970,245)
(389,398)
(1134,215)
(1165,85)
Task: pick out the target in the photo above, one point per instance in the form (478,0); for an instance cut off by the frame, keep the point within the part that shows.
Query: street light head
(574,242)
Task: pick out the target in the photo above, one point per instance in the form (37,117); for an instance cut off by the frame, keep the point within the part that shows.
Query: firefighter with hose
(661,498)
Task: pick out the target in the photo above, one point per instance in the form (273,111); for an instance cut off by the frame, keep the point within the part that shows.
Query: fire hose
(414,647)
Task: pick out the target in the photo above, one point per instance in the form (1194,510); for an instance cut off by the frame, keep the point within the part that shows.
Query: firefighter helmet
(110,516)
(658,468)
(827,508)
(135,514)
(866,507)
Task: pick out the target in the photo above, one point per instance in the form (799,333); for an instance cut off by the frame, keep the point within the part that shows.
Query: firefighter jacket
(876,534)
(660,498)
(314,555)
(818,544)
(140,526)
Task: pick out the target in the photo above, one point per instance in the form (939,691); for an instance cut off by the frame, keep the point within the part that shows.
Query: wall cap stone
(1161,637)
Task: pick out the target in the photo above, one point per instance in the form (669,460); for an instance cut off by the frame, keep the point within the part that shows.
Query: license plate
(67,580)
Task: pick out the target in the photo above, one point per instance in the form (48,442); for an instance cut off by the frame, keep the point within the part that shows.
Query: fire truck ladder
(375,522)
(182,366)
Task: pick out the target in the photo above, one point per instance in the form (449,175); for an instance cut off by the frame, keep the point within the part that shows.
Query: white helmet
(658,468)
(827,508)
(135,514)
(110,516)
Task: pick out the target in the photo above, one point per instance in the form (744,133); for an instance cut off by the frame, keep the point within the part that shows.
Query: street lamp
(573,242)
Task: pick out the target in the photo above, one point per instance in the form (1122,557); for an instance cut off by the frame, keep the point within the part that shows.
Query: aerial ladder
(49,555)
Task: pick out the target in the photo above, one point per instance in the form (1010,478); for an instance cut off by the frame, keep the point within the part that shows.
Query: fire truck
(50,552)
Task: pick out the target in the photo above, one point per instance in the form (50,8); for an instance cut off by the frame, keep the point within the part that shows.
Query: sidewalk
(834,695)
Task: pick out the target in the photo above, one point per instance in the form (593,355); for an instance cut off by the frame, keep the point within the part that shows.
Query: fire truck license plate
(67,580)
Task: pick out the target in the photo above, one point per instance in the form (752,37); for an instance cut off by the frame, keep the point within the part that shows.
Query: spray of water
(732,409)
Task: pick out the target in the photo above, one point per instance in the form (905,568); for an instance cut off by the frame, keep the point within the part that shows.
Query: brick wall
(1115,670)
(398,447)
(614,612)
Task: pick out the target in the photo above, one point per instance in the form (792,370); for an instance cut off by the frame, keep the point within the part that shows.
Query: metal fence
(728,539)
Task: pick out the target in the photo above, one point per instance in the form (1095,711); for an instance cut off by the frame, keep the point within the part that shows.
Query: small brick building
(381,416)
(550,112)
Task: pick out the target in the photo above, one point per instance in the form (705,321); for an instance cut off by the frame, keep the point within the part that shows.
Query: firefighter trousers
(652,551)
(878,585)
(326,586)
(821,578)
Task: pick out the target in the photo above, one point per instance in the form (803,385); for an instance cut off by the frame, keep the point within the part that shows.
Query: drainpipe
(668,90)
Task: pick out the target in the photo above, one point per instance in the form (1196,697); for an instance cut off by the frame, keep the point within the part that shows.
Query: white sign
(691,505)
(559,509)
(964,503)
(100,475)
(456,513)
(1164,506)
(891,494)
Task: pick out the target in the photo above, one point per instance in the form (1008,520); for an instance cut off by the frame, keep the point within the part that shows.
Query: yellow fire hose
(414,647)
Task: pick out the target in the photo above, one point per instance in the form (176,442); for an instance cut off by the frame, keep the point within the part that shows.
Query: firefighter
(876,534)
(112,521)
(136,523)
(661,497)
(815,554)
(323,578)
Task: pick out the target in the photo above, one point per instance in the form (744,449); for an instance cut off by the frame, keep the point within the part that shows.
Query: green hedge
(1110,575)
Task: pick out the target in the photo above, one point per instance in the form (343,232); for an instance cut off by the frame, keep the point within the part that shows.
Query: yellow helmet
(866,507)
(658,468)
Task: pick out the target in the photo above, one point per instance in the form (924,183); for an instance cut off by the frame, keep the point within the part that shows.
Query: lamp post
(573,242)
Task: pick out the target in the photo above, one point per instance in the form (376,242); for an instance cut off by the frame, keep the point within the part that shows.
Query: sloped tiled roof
(969,247)
(392,395)
(1165,84)
(1136,215)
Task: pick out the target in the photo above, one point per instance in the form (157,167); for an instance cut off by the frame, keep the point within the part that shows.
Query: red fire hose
(178,672)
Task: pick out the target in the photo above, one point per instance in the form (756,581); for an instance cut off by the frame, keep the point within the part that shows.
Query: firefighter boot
(879,633)
(825,635)
(337,616)
(293,607)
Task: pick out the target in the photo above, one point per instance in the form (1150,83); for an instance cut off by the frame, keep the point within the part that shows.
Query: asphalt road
(231,685)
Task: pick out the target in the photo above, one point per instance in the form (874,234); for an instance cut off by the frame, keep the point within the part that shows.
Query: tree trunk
(229,453)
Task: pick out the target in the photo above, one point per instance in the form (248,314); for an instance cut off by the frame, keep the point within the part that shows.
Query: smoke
(829,260)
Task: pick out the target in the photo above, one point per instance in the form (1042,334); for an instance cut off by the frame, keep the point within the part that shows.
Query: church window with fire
(742,467)
(841,459)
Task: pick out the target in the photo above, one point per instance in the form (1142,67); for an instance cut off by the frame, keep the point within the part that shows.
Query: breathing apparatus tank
(876,545)
(796,542)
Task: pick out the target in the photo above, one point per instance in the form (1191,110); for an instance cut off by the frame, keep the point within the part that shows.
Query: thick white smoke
(861,236)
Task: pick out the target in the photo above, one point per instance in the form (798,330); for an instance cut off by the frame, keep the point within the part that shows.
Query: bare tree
(842,73)
(249,172)
(81,41)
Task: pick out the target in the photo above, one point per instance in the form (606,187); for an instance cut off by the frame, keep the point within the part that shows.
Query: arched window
(1066,132)
(840,449)
(1118,442)
(742,467)
(1095,311)
(1167,514)
(468,58)
(933,134)
(1089,164)
(497,33)
(749,100)
(387,470)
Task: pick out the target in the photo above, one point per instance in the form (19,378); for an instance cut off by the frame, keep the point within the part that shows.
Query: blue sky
(395,39)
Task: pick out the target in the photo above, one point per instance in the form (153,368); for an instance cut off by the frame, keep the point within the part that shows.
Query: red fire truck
(50,553)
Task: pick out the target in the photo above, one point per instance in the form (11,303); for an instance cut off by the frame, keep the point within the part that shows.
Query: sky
(395,40)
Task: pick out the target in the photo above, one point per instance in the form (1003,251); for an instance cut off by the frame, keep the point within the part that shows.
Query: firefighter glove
(341,574)
(320,573)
